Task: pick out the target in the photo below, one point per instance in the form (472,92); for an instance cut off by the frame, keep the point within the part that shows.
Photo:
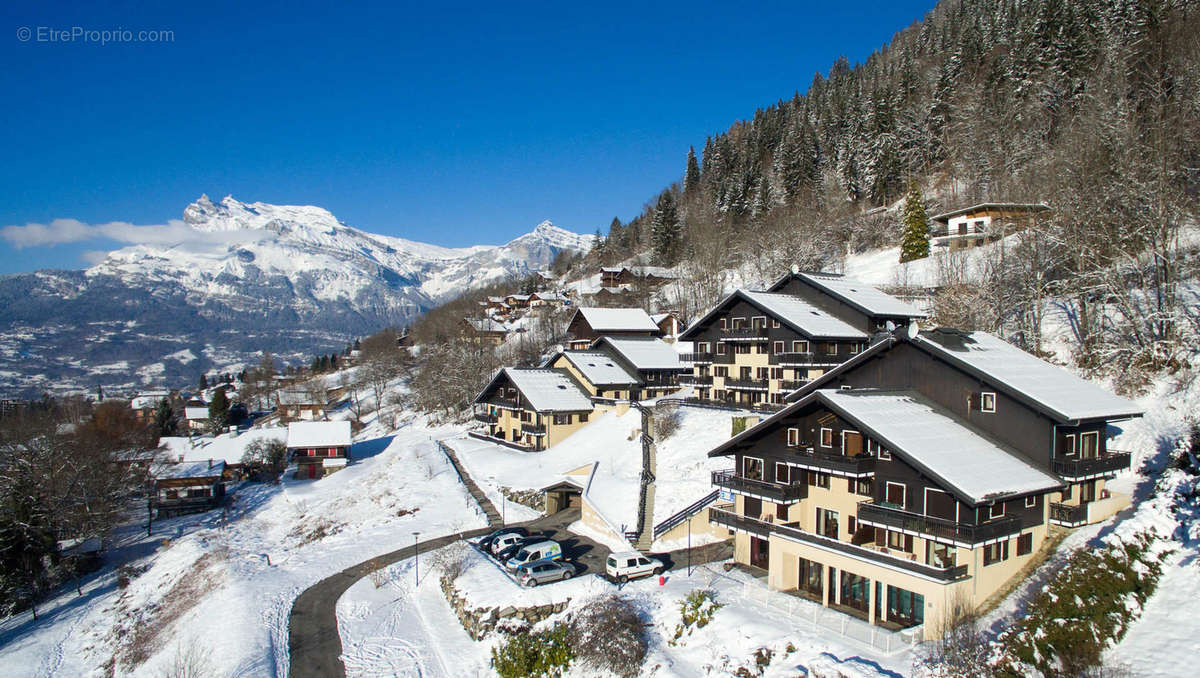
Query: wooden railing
(729,479)
(940,528)
(1068,515)
(791,358)
(833,461)
(696,357)
(1109,462)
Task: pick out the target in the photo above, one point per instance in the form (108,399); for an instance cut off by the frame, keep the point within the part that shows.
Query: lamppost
(416,560)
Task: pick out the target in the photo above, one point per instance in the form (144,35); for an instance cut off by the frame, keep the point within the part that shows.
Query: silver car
(542,571)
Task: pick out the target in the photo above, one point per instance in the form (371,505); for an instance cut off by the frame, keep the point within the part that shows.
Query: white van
(625,565)
(505,540)
(542,550)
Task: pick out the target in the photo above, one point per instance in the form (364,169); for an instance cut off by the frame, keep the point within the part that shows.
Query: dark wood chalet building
(861,305)
(754,348)
(924,471)
(318,447)
(588,324)
(187,487)
(655,362)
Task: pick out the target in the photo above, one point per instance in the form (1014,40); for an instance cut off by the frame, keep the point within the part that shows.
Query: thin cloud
(61,231)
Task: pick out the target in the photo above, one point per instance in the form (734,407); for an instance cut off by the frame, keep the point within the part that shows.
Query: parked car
(542,550)
(485,544)
(506,540)
(542,571)
(512,549)
(625,565)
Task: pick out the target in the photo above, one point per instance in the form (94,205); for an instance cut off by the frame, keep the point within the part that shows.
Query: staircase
(643,536)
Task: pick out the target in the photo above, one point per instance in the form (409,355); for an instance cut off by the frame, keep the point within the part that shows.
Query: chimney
(210,464)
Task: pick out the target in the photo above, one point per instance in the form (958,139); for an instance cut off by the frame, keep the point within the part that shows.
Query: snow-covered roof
(861,295)
(643,353)
(618,319)
(1026,377)
(518,297)
(599,368)
(299,398)
(229,446)
(147,399)
(967,460)
(659,317)
(1010,206)
(792,311)
(194,413)
(656,271)
(318,434)
(549,390)
(487,325)
(208,468)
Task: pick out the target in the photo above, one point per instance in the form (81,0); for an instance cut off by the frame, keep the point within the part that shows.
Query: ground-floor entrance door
(312,470)
(760,552)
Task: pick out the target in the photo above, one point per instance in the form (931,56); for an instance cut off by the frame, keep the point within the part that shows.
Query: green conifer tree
(914,244)
(691,177)
(218,409)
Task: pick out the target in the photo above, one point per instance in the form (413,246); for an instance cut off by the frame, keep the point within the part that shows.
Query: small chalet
(318,447)
(486,331)
(857,303)
(548,299)
(615,276)
(654,361)
(532,408)
(626,277)
(609,297)
(187,487)
(600,374)
(668,323)
(589,324)
(517,301)
(303,404)
(753,348)
(145,404)
(195,412)
(1051,418)
(979,224)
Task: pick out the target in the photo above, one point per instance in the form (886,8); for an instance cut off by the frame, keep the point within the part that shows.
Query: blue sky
(454,125)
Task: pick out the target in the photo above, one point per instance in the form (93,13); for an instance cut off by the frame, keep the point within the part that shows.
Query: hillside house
(145,404)
(668,323)
(486,331)
(1055,420)
(628,277)
(187,487)
(654,361)
(610,297)
(195,413)
(303,404)
(548,300)
(318,447)
(517,301)
(979,224)
(857,303)
(588,324)
(599,373)
(753,348)
(883,505)
(531,408)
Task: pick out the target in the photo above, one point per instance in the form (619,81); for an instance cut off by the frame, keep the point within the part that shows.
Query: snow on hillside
(229,447)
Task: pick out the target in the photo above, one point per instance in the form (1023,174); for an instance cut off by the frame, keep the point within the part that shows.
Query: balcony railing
(751,384)
(793,385)
(510,403)
(485,417)
(792,358)
(703,380)
(767,407)
(1069,516)
(938,528)
(696,357)
(860,465)
(744,333)
(1105,464)
(775,492)
(533,429)
(765,530)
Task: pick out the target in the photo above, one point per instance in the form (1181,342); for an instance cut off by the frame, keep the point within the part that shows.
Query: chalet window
(830,348)
(799,347)
(793,437)
(994,553)
(1089,445)
(781,511)
(1066,494)
(312,451)
(1069,445)
(782,473)
(745,373)
(816,479)
(900,541)
(702,347)
(741,349)
(778,347)
(720,348)
(724,324)
(895,494)
(583,417)
(854,348)
(987,402)
(1031,501)
(1025,544)
(774,323)
(884,455)
(739,323)
(763,373)
(525,416)
(851,526)
(759,322)
(826,437)
(752,468)
(862,486)
(939,555)
(777,373)
(996,511)
(827,523)
(719,394)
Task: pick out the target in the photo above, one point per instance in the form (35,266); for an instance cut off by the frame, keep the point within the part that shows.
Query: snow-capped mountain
(236,278)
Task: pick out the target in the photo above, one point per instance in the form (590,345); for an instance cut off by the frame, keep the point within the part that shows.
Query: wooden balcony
(485,417)
(775,492)
(882,515)
(764,530)
(533,429)
(1107,464)
(791,358)
(746,384)
(744,334)
(794,385)
(1068,515)
(696,357)
(705,380)
(861,465)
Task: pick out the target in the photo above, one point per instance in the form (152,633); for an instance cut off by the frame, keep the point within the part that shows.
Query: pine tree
(203,382)
(691,177)
(914,244)
(164,419)
(664,230)
(218,409)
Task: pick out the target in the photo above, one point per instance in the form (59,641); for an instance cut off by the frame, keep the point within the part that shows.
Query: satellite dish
(913,329)
(890,326)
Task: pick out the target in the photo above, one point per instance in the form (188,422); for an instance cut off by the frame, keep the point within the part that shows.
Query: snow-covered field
(204,585)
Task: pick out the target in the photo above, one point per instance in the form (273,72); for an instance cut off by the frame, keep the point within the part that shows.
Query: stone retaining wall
(534,499)
(479,622)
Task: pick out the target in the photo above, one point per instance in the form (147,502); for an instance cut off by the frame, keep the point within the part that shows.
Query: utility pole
(416,560)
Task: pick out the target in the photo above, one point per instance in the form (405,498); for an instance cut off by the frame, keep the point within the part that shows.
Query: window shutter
(908,543)
(880,536)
